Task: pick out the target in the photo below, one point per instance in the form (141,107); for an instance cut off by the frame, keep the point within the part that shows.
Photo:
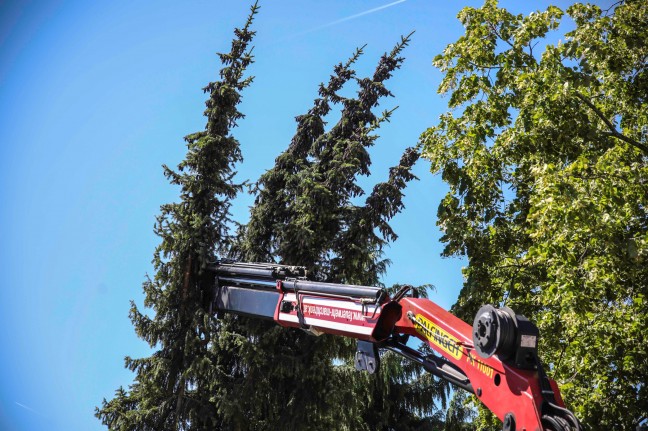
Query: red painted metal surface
(335,309)
(321,314)
(502,388)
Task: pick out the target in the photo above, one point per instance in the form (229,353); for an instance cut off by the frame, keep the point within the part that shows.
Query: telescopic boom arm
(495,358)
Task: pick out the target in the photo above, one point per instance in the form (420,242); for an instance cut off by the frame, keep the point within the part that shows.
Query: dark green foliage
(404,397)
(546,157)
(174,388)
(277,189)
(460,415)
(305,214)
(238,374)
(304,205)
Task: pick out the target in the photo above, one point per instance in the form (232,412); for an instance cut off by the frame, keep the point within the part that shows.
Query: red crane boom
(495,358)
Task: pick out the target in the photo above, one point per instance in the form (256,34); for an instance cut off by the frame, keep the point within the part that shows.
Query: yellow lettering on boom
(486,369)
(438,336)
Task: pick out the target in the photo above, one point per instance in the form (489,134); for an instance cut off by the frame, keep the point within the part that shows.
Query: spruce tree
(276,189)
(174,387)
(304,204)
(305,214)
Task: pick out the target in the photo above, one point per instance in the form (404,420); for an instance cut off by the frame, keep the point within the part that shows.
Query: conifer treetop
(174,387)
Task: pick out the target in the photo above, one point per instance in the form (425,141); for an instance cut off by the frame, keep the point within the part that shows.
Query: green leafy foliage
(545,154)
(174,388)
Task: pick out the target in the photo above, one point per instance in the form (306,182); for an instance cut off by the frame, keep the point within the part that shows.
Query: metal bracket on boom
(367,357)
(432,364)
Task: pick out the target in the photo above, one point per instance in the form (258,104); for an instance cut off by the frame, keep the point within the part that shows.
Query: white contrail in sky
(27,408)
(339,21)
(358,15)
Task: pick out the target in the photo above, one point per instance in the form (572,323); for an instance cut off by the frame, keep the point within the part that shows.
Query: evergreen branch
(356,55)
(254,9)
(385,201)
(405,40)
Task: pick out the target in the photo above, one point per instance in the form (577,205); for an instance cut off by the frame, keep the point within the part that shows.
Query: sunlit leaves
(546,162)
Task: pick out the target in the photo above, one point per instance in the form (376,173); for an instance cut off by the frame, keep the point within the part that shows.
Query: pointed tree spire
(173,387)
(276,188)
(304,215)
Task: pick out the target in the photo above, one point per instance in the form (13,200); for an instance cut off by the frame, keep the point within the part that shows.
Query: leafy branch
(613,131)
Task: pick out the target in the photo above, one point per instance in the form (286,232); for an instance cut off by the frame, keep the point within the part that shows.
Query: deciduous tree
(546,157)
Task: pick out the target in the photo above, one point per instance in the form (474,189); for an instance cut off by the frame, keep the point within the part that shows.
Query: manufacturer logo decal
(438,336)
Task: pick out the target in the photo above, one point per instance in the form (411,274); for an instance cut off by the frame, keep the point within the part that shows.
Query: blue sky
(96,96)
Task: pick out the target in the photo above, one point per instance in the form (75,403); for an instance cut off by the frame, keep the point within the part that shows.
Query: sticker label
(528,341)
(438,336)
(333,313)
